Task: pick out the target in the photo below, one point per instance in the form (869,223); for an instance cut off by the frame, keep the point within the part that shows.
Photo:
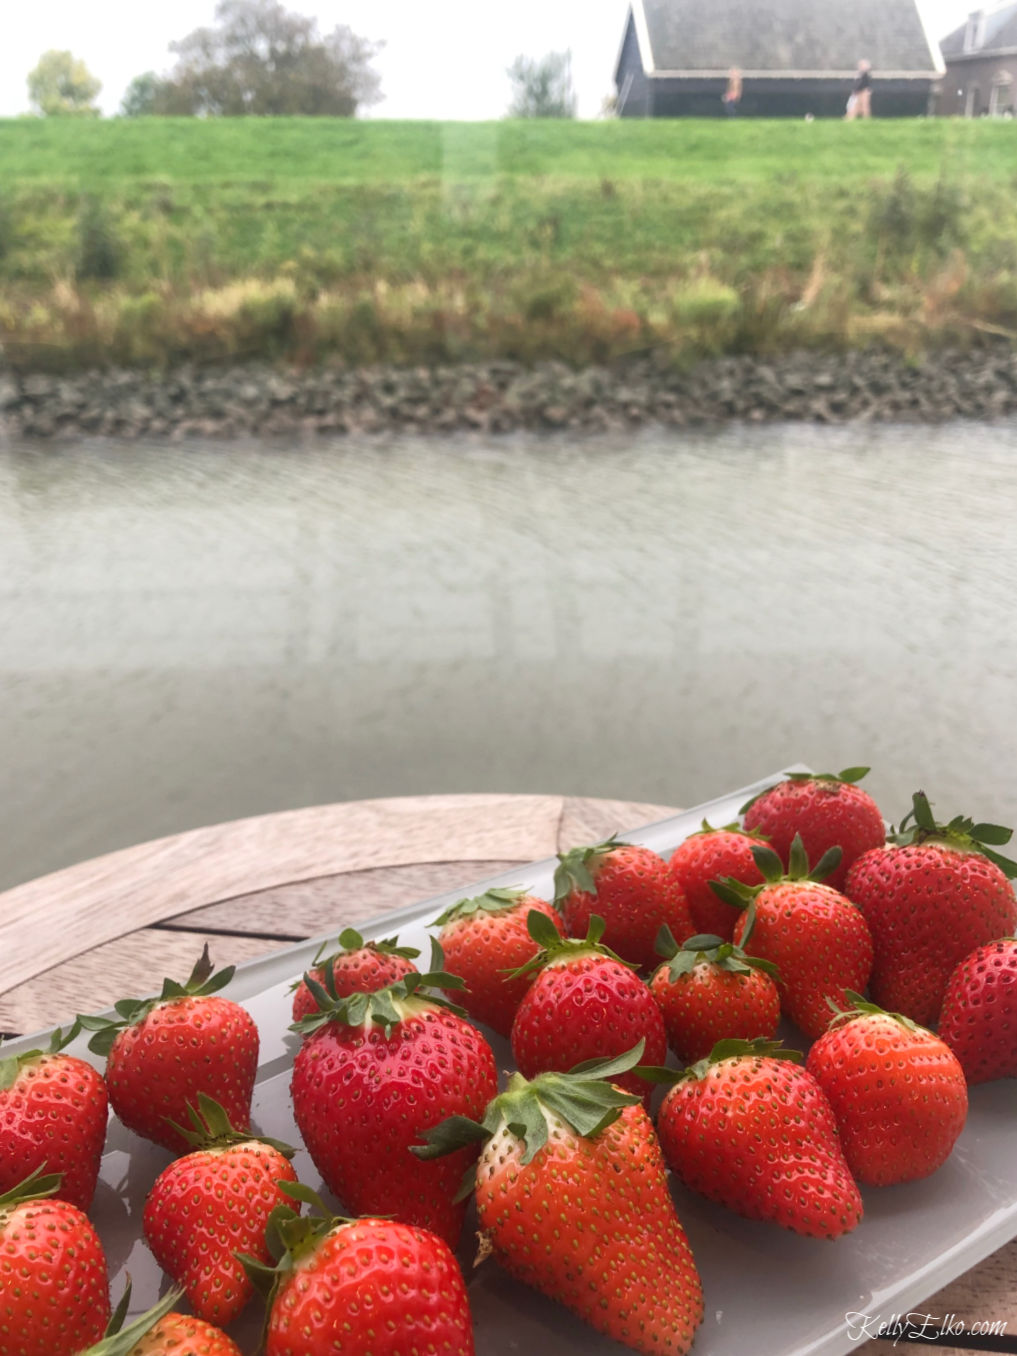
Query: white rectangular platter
(767,1291)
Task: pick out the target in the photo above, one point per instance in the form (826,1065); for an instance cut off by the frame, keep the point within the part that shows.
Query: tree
(260,58)
(542,87)
(62,86)
(146,94)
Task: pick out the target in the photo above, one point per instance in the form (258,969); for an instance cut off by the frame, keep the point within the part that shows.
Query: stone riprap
(496,397)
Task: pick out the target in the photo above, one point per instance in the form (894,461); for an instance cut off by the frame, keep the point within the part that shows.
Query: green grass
(275,152)
(152,240)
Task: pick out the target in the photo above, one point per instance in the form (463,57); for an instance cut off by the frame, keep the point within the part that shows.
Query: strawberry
(163,1052)
(53,1114)
(897,1092)
(930,897)
(814,935)
(54,1291)
(375,1072)
(825,811)
(978,1019)
(162,1333)
(631,888)
(572,1199)
(710,989)
(210,1203)
(358,967)
(352,1287)
(483,939)
(709,855)
(750,1129)
(585,1003)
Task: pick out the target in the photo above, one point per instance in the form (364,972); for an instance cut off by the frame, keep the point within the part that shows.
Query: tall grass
(156,240)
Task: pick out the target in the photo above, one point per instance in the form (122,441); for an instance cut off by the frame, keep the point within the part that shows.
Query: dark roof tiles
(787,35)
(1000,31)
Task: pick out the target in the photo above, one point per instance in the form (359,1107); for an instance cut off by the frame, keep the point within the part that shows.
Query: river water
(194,633)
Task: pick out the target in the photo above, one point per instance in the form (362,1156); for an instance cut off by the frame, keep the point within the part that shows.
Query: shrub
(100,250)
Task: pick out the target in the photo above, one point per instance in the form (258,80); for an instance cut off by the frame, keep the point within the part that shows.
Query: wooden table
(81,938)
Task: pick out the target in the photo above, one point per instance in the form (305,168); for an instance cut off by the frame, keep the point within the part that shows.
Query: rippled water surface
(194,634)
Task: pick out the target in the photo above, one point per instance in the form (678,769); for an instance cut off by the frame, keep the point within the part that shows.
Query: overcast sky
(442,58)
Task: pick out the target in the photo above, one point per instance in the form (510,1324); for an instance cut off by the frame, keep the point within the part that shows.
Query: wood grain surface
(80,938)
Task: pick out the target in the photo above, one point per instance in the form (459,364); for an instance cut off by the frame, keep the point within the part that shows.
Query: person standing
(860,103)
(732,96)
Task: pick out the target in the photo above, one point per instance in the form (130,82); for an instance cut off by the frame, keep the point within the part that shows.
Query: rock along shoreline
(502,397)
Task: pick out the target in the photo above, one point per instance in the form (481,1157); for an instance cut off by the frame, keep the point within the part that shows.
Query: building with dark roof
(796,57)
(981,64)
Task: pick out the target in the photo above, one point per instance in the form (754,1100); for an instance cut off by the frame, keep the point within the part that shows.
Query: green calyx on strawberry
(740,896)
(849,777)
(35,1187)
(211,1129)
(291,1236)
(762,1047)
(351,940)
(577,869)
(733,827)
(584,1098)
(386,1007)
(202,982)
(555,949)
(493,901)
(713,950)
(861,1007)
(919,826)
(11,1065)
(119,1341)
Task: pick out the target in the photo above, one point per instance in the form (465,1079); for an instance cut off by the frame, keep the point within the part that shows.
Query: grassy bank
(155,240)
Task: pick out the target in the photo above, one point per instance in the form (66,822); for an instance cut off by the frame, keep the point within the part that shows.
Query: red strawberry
(165,1051)
(713,854)
(351,1287)
(929,899)
(483,939)
(53,1114)
(359,967)
(161,1333)
(825,811)
(750,1129)
(572,1199)
(817,939)
(897,1091)
(710,990)
(211,1203)
(585,1003)
(54,1291)
(978,1020)
(631,888)
(378,1070)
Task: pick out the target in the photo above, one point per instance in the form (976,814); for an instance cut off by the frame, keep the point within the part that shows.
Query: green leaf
(770,865)
(665,944)
(853,774)
(995,834)
(351,940)
(1008,867)
(829,862)
(119,1341)
(613,1066)
(798,860)
(450,1135)
(922,812)
(703,941)
(541,929)
(734,892)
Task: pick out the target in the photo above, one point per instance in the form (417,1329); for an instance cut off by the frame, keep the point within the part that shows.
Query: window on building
(974,34)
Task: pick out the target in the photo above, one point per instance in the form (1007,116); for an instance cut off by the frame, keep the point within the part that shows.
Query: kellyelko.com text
(919,1327)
